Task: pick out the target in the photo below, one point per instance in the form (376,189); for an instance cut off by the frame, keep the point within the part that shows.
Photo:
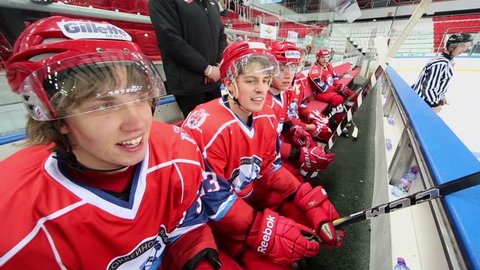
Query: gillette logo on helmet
(292,54)
(92,30)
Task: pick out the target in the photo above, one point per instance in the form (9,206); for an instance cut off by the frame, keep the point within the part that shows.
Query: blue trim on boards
(432,55)
(448,159)
(10,138)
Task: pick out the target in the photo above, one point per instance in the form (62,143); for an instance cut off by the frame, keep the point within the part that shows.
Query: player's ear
(229,86)
(64,128)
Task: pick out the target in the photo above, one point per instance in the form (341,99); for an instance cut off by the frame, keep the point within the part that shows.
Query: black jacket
(191,37)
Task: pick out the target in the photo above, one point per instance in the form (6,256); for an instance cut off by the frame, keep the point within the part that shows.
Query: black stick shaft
(416,198)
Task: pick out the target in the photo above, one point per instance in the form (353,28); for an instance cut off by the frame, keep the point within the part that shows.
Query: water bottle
(403,185)
(388,144)
(391,121)
(401,265)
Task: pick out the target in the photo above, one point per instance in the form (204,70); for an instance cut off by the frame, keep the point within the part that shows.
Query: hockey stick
(416,198)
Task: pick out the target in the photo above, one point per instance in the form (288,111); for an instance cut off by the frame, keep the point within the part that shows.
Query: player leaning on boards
(238,138)
(434,79)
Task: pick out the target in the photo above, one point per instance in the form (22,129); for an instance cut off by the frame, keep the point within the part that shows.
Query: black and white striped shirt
(433,81)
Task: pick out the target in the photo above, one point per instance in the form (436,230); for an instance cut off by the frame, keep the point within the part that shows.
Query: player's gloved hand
(314,159)
(300,137)
(339,87)
(346,92)
(321,131)
(321,212)
(281,239)
(315,116)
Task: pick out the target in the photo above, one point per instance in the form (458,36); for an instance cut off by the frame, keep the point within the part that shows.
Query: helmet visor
(289,68)
(90,83)
(262,64)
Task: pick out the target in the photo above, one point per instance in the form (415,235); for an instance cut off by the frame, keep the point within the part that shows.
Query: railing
(443,234)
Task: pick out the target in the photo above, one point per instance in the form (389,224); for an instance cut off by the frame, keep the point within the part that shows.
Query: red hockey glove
(347,92)
(281,239)
(316,116)
(314,159)
(321,212)
(300,137)
(321,131)
(339,87)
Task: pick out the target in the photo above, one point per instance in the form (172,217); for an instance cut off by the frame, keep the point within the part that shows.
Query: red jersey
(237,151)
(324,77)
(280,105)
(286,105)
(54,222)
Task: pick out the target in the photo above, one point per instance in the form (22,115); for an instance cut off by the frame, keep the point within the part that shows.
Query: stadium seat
(147,41)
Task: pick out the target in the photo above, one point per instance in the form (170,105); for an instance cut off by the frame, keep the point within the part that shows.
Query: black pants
(188,103)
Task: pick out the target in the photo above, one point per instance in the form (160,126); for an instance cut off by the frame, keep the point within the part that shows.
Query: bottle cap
(400,260)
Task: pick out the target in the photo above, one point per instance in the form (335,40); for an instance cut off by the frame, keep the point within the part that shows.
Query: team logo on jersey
(183,135)
(248,171)
(146,255)
(292,110)
(330,80)
(196,119)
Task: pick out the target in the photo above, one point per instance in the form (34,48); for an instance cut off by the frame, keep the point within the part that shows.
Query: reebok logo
(308,163)
(267,235)
(92,30)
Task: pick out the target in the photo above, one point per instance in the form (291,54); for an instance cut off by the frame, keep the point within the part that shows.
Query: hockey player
(238,138)
(317,124)
(326,86)
(432,83)
(101,187)
(297,146)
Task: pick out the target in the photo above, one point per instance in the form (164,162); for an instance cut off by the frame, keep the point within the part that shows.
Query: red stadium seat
(147,41)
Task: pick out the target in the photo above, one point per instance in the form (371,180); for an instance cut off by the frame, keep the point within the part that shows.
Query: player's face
(285,77)
(111,138)
(323,60)
(252,87)
(462,48)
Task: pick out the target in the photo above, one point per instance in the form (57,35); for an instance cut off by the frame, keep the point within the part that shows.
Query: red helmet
(323,52)
(237,55)
(285,51)
(50,47)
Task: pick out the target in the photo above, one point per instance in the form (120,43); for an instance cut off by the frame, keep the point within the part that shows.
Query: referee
(435,77)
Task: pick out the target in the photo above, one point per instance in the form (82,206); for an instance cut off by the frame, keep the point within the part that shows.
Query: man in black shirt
(191,39)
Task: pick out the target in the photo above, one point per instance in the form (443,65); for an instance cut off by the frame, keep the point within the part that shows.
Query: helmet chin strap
(235,99)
